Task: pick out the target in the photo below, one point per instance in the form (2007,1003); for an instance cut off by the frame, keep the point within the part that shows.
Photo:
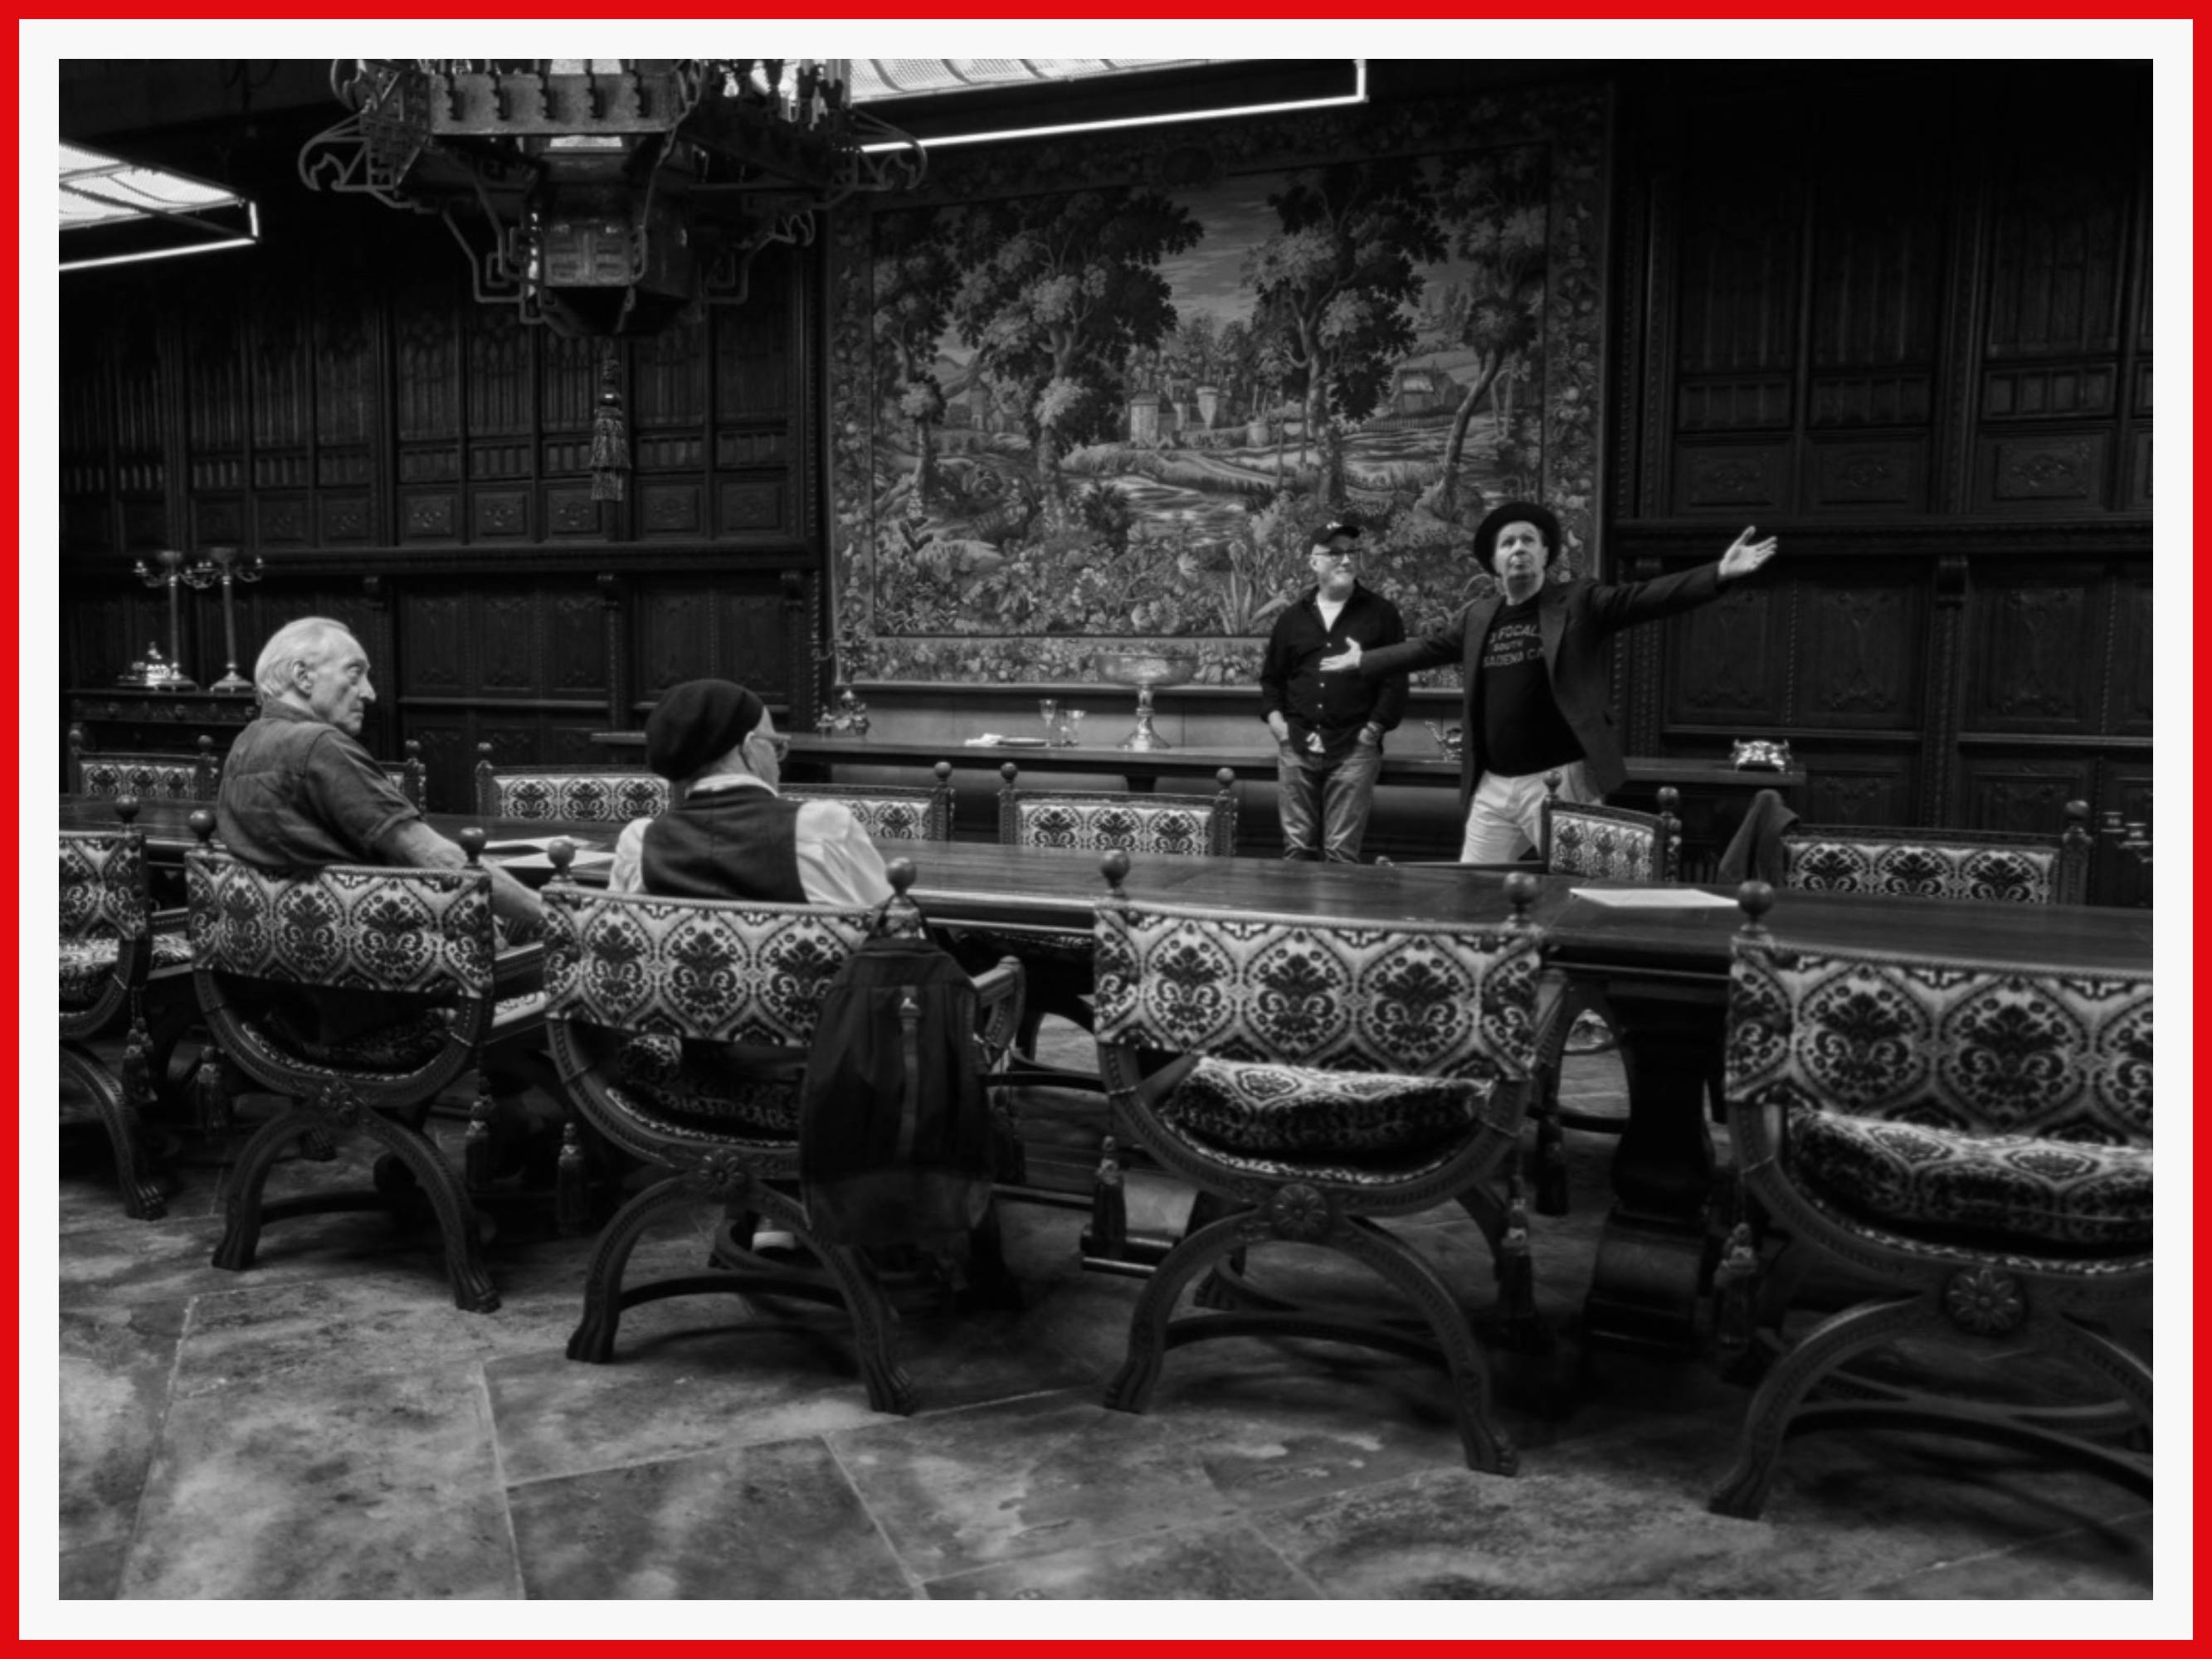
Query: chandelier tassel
(610,431)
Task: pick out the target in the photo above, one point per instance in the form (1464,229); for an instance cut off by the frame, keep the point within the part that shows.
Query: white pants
(1506,814)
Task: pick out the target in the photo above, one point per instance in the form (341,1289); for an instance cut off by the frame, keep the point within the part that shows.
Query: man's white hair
(303,641)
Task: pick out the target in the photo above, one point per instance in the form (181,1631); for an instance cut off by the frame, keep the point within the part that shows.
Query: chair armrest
(999,993)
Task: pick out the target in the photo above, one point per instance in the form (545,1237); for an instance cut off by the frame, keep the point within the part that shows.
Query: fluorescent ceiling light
(1357,95)
(114,211)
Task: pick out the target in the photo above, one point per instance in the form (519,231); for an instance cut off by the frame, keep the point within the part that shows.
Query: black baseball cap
(1336,527)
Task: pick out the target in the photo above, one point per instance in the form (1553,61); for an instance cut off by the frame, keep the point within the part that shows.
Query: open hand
(1348,658)
(1744,556)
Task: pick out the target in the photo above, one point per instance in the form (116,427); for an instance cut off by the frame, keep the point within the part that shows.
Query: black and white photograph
(1122,830)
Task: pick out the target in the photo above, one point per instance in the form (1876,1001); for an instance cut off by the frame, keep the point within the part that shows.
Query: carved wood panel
(502,391)
(572,623)
(433,637)
(1859,789)
(2033,642)
(1730,660)
(1861,643)
(505,633)
(2129,654)
(2027,796)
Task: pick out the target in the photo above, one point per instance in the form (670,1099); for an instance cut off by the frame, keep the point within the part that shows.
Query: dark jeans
(1324,803)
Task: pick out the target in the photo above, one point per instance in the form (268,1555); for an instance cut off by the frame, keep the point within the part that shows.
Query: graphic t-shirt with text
(1522,731)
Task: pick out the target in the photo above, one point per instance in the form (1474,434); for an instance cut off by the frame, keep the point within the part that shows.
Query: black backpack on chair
(895,1138)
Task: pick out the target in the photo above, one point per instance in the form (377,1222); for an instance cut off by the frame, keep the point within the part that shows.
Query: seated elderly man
(732,836)
(299,791)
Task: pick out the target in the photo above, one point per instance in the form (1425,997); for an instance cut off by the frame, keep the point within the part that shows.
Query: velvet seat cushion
(87,963)
(1362,1126)
(2018,1191)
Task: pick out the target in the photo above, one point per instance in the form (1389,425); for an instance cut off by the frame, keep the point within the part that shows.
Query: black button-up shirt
(1336,704)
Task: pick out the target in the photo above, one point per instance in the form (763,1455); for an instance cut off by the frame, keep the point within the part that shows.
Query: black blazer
(1575,619)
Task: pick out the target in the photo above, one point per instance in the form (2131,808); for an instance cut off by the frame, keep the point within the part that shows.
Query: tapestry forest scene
(1121,412)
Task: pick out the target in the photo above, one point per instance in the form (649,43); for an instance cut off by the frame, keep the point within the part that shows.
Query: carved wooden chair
(272,951)
(152,774)
(120,971)
(644,998)
(1900,863)
(580,790)
(1602,843)
(1158,826)
(409,775)
(891,811)
(1324,1073)
(1972,1143)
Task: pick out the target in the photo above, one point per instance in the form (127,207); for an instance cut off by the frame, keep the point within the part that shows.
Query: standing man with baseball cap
(1533,673)
(1328,725)
(732,836)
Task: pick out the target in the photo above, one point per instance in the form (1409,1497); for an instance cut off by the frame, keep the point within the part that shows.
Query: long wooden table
(1664,973)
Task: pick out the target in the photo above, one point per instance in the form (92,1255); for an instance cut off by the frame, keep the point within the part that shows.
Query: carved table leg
(1652,1257)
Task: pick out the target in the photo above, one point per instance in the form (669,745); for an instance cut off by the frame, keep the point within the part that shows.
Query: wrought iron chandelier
(608,196)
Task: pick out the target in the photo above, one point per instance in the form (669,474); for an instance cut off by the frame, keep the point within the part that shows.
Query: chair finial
(472,843)
(563,852)
(1551,781)
(943,771)
(903,916)
(203,823)
(414,748)
(1115,866)
(1009,771)
(126,808)
(1521,890)
(1757,899)
(1226,777)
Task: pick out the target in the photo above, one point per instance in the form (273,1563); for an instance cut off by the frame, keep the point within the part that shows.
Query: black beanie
(1495,520)
(697,722)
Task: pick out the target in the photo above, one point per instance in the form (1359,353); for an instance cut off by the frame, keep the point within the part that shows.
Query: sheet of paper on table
(1653,898)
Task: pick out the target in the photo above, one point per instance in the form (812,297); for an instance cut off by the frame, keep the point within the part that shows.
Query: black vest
(740,843)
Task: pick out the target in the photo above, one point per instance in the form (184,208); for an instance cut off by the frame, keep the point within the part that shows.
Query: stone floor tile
(2111,1562)
(115,1367)
(1022,1477)
(1623,1515)
(93,1574)
(1206,1563)
(741,1524)
(379,1485)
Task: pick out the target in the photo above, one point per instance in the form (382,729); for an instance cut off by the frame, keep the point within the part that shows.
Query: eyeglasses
(779,744)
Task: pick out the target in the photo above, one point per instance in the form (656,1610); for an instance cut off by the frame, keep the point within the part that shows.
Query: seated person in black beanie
(732,836)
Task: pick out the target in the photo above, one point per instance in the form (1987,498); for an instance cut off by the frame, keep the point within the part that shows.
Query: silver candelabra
(226,566)
(152,669)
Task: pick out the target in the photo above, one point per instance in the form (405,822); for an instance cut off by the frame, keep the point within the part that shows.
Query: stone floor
(327,1425)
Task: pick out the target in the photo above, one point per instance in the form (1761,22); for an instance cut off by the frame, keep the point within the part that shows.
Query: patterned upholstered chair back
(723,971)
(891,811)
(1972,1141)
(2051,1053)
(1610,843)
(106,925)
(149,775)
(1938,864)
(1413,998)
(592,794)
(1183,826)
(344,927)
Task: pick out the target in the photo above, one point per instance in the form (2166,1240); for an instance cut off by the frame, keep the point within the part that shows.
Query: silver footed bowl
(1145,667)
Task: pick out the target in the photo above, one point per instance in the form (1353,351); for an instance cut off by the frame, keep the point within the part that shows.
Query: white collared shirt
(837,863)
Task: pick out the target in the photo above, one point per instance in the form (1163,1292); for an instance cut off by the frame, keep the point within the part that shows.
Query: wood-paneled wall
(1901,317)
(415,463)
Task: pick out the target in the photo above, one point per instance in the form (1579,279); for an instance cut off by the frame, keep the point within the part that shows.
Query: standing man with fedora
(1328,724)
(1533,670)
